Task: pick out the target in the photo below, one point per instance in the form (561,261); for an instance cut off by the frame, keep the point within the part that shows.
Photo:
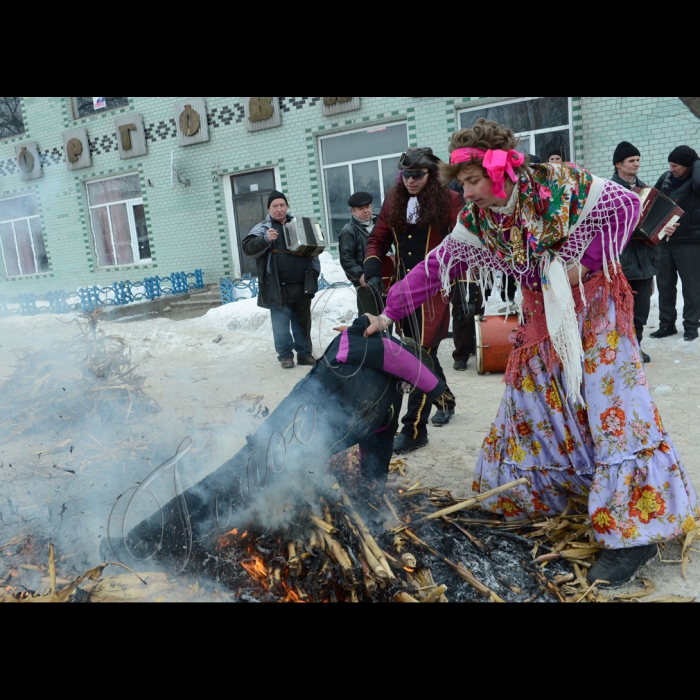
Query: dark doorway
(250,192)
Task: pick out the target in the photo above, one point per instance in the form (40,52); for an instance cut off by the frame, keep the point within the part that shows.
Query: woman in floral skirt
(577,418)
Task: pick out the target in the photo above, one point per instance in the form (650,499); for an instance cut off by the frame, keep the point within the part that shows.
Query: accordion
(658,212)
(303,236)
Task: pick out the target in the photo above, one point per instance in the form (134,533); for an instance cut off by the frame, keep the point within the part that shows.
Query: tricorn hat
(419,158)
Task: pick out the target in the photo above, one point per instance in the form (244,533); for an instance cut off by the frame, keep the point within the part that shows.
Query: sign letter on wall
(260,108)
(25,160)
(74,148)
(125,136)
(262,113)
(336,105)
(191,120)
(28,161)
(131,136)
(77,149)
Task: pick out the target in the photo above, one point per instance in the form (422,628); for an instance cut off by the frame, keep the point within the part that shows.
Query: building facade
(99,190)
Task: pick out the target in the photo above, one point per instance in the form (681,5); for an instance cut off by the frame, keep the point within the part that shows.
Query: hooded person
(352,396)
(679,251)
(416,216)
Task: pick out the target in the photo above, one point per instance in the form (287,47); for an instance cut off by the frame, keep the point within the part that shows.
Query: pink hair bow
(495,162)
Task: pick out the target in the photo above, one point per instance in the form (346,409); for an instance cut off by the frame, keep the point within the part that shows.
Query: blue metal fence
(90,298)
(247,287)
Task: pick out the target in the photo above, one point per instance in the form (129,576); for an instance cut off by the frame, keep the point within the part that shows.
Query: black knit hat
(683,155)
(419,158)
(276,194)
(624,150)
(360,199)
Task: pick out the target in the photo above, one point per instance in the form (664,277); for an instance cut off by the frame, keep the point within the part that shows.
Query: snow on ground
(197,368)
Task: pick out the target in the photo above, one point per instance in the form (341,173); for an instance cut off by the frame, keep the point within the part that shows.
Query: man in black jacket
(352,244)
(287,282)
(640,261)
(680,254)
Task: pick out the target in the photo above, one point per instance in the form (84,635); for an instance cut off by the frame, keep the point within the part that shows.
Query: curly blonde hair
(485,135)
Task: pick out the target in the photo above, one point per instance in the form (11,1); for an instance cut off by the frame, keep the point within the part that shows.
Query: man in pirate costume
(577,419)
(417,214)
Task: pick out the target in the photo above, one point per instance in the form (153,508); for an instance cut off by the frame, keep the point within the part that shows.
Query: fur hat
(624,150)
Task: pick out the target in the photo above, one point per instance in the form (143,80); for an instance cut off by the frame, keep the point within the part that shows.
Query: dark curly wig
(433,205)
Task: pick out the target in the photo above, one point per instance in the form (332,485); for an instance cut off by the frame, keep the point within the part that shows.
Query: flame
(256,568)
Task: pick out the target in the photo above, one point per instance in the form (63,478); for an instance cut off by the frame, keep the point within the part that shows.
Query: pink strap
(495,163)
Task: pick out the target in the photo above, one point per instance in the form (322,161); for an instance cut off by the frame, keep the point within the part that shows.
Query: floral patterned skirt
(611,453)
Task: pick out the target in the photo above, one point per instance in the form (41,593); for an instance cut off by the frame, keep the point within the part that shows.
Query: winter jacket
(352,244)
(257,246)
(686,194)
(639,261)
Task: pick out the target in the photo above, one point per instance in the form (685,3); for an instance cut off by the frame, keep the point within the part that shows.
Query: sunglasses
(415,174)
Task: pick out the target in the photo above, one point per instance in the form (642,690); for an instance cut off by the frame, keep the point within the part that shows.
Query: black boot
(664,332)
(619,566)
(645,357)
(403,443)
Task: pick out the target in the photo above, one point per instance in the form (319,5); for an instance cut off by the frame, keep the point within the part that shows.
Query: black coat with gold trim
(432,319)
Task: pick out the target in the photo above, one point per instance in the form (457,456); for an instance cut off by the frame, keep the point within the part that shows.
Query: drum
(494,339)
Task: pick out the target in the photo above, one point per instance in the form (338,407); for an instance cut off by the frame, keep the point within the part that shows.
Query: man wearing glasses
(417,214)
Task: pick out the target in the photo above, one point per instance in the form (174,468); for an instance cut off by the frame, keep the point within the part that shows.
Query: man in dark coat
(679,254)
(352,396)
(640,261)
(352,244)
(287,282)
(417,214)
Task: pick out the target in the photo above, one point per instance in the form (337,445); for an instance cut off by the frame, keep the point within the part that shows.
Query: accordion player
(303,236)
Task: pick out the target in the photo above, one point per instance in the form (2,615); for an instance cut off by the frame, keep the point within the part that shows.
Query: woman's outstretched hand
(377,323)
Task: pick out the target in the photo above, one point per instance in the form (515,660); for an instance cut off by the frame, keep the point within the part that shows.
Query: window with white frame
(22,242)
(87,106)
(359,161)
(543,124)
(118,221)
(11,121)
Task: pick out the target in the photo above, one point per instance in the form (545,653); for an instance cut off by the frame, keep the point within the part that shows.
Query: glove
(376,284)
